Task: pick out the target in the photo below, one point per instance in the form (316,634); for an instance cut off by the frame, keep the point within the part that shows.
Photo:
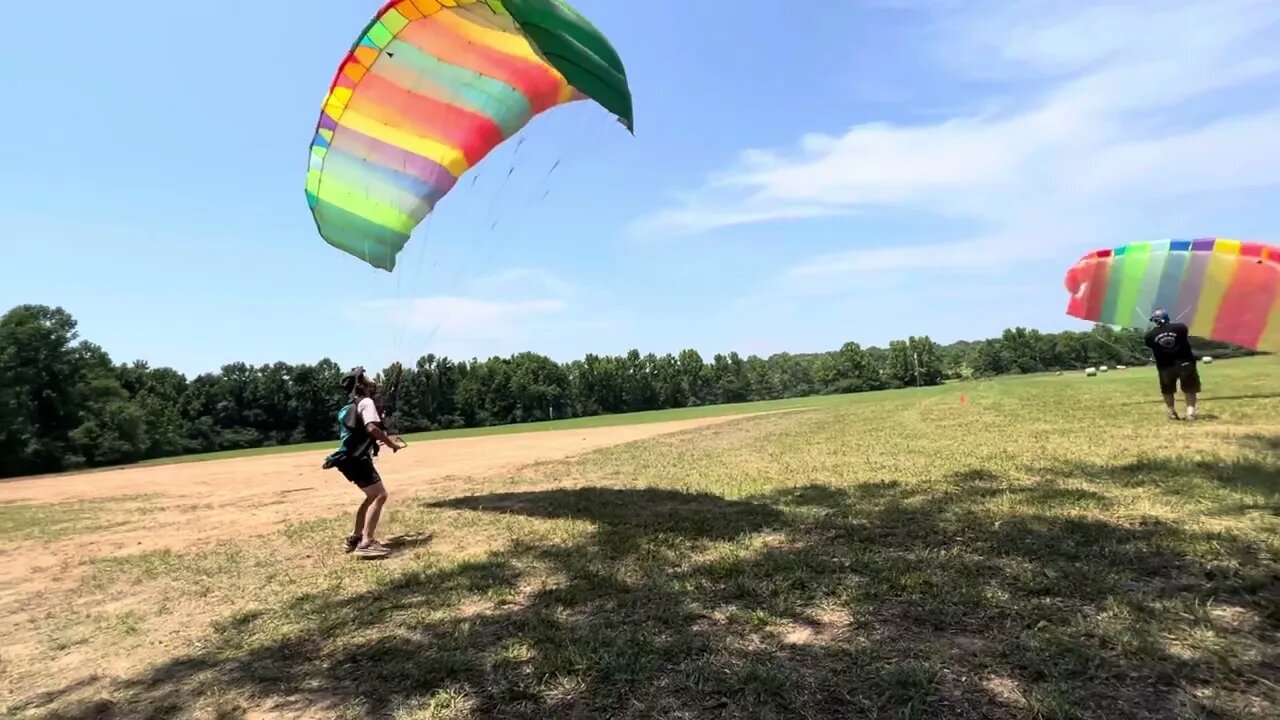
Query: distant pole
(915,357)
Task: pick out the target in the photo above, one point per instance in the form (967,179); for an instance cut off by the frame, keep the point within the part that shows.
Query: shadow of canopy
(1262,443)
(1207,399)
(633,511)
(886,599)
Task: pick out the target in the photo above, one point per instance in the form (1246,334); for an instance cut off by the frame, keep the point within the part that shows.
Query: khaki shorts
(1184,374)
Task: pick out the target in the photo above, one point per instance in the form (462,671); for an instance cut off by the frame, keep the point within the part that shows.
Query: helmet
(353,378)
(1159,317)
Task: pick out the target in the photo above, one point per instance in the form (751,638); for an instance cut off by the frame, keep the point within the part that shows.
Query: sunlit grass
(27,522)
(1043,547)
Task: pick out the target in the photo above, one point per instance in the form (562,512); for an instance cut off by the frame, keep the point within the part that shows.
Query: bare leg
(1191,404)
(1171,402)
(375,498)
(360,514)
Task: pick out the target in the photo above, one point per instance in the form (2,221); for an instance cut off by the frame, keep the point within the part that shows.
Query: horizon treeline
(66,405)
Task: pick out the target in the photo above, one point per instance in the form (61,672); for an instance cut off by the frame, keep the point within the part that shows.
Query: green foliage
(915,361)
(65,405)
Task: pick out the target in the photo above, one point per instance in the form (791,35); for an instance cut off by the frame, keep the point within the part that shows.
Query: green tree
(900,366)
(695,383)
(48,382)
(760,382)
(64,404)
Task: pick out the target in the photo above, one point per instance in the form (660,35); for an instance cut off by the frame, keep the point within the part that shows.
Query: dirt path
(192,506)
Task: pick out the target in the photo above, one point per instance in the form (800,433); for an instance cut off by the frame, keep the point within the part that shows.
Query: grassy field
(1041,547)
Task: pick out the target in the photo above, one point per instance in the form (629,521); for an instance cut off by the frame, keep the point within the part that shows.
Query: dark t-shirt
(1170,344)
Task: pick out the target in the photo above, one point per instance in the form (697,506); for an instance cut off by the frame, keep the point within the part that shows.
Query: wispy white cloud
(963,254)
(508,311)
(522,282)
(453,317)
(1136,111)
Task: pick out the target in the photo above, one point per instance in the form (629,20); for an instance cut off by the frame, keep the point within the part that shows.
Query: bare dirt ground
(192,506)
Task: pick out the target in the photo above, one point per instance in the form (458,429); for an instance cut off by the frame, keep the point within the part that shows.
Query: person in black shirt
(1175,363)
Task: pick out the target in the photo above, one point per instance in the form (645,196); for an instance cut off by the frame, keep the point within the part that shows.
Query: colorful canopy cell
(1224,290)
(427,90)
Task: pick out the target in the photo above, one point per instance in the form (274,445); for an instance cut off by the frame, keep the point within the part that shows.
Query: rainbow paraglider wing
(1224,290)
(428,89)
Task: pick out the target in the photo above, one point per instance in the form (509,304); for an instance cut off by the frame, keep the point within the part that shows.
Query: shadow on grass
(52,697)
(1262,443)
(1205,399)
(409,541)
(1223,486)
(1247,396)
(644,511)
(987,599)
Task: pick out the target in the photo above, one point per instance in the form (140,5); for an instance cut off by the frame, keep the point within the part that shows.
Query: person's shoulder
(365,403)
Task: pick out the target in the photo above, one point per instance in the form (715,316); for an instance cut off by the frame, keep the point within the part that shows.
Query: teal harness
(354,440)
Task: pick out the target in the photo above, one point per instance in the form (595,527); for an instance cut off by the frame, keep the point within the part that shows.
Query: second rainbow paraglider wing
(1223,290)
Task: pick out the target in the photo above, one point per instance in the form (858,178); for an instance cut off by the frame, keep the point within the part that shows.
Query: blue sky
(801,175)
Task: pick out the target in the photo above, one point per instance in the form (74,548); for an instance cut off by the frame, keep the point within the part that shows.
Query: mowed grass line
(595,421)
(1042,547)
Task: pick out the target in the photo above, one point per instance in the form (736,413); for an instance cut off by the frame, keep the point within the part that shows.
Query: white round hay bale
(1090,372)
(1122,367)
(1208,360)
(1102,368)
(1058,373)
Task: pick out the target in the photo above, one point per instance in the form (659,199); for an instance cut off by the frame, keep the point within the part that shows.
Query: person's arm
(381,436)
(373,424)
(1184,334)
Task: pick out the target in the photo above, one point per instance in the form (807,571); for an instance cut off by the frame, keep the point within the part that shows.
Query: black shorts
(1184,374)
(360,471)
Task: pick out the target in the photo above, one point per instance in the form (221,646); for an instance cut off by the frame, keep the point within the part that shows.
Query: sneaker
(1191,413)
(352,543)
(1173,415)
(373,549)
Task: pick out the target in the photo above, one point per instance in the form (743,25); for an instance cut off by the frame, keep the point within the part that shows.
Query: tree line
(64,404)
